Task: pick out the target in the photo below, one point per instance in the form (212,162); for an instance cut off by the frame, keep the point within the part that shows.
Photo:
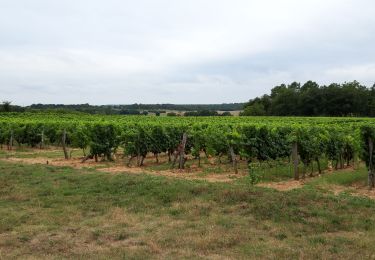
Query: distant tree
(256,109)
(108,110)
(371,102)
(6,106)
(258,106)
(310,99)
(356,95)
(201,113)
(129,112)
(285,99)
(226,113)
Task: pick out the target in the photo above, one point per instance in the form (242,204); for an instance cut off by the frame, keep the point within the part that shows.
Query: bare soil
(283,185)
(116,168)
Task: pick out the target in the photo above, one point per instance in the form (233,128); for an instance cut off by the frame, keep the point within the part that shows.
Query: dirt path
(118,169)
(353,190)
(283,185)
(75,163)
(172,173)
(294,184)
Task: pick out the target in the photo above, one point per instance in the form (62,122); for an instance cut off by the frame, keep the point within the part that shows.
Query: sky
(174,51)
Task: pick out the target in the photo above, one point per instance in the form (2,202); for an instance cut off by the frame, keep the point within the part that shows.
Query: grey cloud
(178,51)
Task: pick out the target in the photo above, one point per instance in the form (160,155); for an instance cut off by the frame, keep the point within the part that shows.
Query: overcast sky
(191,51)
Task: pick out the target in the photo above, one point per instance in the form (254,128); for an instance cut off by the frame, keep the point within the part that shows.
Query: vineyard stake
(42,141)
(182,151)
(234,159)
(11,140)
(295,160)
(63,142)
(371,177)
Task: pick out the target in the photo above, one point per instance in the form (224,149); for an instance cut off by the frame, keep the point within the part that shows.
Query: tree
(6,107)
(258,106)
(285,100)
(310,99)
(226,113)
(371,102)
(256,109)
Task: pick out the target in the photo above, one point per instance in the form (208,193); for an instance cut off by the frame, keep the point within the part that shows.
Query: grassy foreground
(58,212)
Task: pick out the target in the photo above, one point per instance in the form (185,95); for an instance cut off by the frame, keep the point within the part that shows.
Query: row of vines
(296,140)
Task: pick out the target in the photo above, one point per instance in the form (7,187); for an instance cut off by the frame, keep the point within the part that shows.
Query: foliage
(310,99)
(255,139)
(103,139)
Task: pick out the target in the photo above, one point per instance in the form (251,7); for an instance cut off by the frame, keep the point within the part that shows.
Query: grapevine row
(339,140)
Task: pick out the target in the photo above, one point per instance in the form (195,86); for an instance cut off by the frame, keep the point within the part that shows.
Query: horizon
(178,104)
(130,104)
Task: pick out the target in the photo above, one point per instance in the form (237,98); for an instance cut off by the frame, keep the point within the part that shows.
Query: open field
(51,211)
(240,188)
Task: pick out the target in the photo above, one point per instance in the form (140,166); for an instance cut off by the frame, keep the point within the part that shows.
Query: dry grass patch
(71,214)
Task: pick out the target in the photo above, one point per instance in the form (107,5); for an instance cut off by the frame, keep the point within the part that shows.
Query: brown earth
(283,185)
(116,168)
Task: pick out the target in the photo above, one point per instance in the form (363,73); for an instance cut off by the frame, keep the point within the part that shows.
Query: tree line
(6,106)
(134,109)
(310,99)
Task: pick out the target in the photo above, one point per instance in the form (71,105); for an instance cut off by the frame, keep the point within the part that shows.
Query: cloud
(178,51)
(366,72)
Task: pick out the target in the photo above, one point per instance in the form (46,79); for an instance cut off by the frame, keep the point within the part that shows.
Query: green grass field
(59,212)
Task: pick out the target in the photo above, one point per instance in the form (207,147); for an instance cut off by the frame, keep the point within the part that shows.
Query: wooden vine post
(42,140)
(233,159)
(138,157)
(63,143)
(371,174)
(11,140)
(295,160)
(182,151)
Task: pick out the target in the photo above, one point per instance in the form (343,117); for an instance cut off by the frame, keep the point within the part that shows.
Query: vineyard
(146,187)
(303,143)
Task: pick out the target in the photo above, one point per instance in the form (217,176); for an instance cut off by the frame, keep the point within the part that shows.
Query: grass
(267,172)
(25,152)
(271,171)
(345,178)
(59,212)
